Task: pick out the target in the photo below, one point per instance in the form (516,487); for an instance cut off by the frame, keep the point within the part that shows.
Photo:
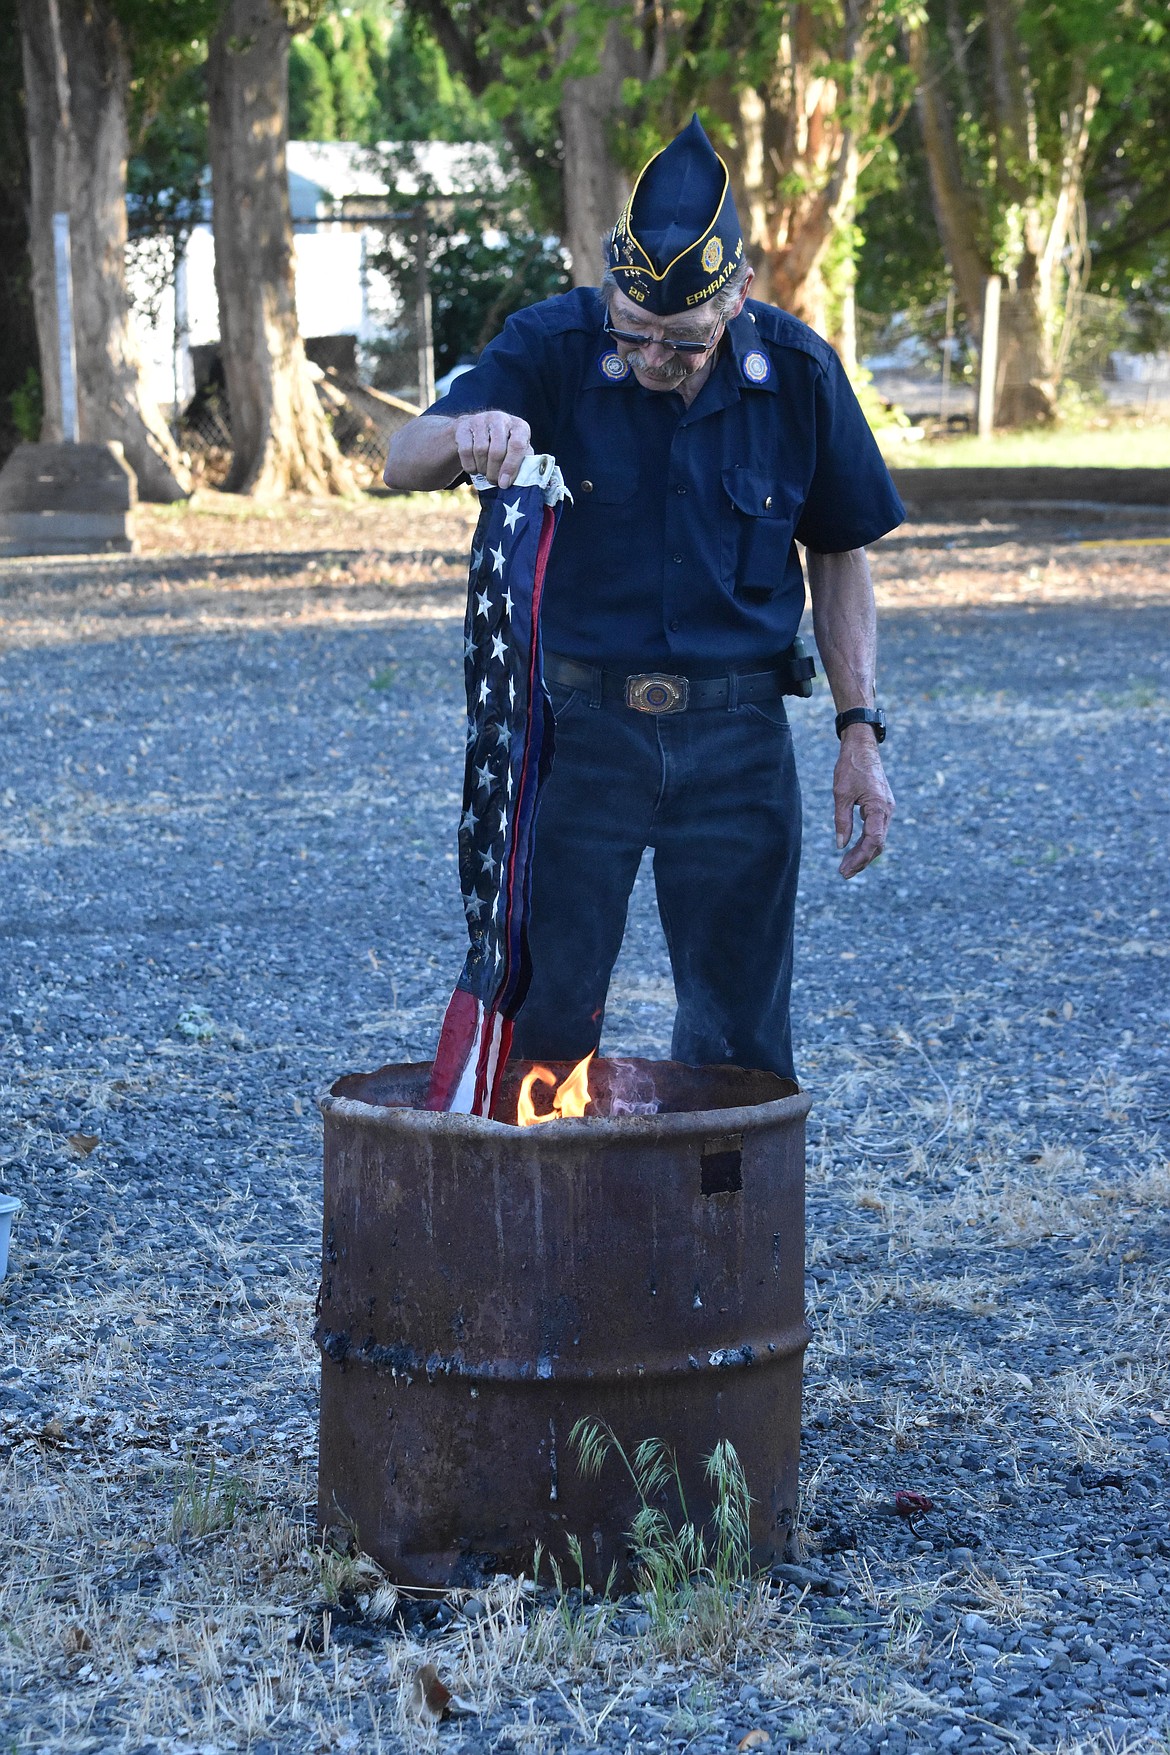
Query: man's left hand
(859,782)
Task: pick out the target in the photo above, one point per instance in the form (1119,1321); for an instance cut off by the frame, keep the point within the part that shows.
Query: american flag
(509,752)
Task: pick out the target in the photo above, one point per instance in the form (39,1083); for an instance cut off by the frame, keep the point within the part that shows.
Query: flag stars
(487,864)
(474,906)
(484,778)
(513,515)
(469,822)
(483,604)
(503,736)
(497,555)
(508,602)
(498,648)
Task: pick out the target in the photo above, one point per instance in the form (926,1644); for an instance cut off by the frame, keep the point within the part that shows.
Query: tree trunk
(280,438)
(1047,213)
(956,211)
(76,77)
(795,162)
(19,357)
(596,186)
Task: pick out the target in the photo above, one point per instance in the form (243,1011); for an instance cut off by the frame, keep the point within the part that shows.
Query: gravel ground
(227,813)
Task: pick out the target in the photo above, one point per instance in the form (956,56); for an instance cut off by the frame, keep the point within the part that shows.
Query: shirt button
(768,503)
(678,560)
(586,487)
(680,490)
(674,627)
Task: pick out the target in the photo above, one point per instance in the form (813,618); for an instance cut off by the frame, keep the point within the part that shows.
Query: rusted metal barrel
(484,1286)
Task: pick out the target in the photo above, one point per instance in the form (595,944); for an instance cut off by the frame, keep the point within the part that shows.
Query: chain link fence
(1107,356)
(362,417)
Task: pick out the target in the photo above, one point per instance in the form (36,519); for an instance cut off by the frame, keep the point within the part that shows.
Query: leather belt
(660,692)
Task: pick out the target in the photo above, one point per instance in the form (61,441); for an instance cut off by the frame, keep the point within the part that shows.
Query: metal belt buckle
(656,693)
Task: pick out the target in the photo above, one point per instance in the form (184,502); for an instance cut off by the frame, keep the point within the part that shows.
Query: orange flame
(571,1098)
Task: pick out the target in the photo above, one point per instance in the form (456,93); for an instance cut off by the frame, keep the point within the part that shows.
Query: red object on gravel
(912,1504)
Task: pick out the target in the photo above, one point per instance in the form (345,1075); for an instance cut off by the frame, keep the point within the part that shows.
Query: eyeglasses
(685,347)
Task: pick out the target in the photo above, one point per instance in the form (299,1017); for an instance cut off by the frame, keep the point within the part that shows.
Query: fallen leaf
(755,1740)
(84,1143)
(429,1699)
(912,1504)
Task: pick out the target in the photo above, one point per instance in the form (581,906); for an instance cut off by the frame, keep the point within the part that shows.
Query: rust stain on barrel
(485,1286)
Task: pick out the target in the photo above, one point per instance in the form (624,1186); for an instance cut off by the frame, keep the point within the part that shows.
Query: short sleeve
(851,500)
(509,375)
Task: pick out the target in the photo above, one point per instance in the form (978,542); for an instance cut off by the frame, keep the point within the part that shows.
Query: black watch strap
(864,716)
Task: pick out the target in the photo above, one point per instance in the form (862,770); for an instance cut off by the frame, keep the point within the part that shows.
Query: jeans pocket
(564,700)
(772,714)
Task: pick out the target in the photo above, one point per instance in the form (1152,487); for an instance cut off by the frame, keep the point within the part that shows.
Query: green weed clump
(696,1579)
(204,1506)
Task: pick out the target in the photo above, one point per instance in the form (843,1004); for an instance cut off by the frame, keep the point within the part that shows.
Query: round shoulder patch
(757,367)
(613,367)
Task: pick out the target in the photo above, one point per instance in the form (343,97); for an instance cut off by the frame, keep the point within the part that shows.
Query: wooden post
(989,356)
(423,318)
(66,346)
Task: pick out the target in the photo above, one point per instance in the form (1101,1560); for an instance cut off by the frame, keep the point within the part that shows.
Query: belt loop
(732,690)
(597,686)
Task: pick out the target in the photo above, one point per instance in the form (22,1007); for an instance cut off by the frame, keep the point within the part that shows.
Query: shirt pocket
(758,516)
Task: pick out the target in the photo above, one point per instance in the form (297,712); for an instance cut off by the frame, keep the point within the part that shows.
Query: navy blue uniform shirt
(679,550)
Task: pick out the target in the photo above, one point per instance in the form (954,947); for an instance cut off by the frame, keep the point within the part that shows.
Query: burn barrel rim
(793,1105)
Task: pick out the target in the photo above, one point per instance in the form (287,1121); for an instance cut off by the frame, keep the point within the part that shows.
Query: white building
(334,186)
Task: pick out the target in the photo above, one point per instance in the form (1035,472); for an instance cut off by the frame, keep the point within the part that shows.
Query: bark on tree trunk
(956,211)
(596,186)
(281,440)
(1028,374)
(794,167)
(76,77)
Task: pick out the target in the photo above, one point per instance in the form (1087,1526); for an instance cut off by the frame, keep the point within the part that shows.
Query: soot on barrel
(486,1285)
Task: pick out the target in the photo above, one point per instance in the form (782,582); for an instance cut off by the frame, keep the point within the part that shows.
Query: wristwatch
(864,716)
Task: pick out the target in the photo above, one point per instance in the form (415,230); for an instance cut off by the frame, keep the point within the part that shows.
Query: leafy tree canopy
(374,73)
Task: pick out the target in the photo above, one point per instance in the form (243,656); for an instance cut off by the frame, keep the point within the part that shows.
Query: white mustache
(670,372)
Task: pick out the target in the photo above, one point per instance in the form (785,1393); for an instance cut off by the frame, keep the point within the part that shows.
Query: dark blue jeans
(714,792)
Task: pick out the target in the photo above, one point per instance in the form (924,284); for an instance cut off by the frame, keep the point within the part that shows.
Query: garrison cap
(678,240)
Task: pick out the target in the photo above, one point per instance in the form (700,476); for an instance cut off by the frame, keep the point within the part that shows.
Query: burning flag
(509,751)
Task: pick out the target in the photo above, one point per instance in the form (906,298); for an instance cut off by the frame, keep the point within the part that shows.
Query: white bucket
(9,1207)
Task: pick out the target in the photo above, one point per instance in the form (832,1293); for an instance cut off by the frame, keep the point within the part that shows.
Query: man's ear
(751,275)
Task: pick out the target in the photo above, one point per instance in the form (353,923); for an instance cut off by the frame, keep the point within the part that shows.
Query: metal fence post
(989,356)
(423,319)
(66,346)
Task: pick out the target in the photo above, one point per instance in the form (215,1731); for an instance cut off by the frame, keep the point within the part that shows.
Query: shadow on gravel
(71,572)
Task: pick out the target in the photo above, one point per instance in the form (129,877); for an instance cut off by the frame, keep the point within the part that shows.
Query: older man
(703,435)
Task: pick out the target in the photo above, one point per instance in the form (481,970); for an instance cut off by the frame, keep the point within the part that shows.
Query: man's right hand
(492,443)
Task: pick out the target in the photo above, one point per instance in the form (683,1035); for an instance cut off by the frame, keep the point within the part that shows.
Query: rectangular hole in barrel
(721,1166)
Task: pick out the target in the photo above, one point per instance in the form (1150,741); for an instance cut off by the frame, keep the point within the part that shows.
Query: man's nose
(661,352)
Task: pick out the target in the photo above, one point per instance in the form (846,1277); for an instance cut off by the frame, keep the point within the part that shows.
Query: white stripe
(464,1099)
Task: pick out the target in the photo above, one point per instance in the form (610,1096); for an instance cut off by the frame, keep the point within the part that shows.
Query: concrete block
(66,499)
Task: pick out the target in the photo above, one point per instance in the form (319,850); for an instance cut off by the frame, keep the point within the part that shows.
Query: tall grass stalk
(696,1579)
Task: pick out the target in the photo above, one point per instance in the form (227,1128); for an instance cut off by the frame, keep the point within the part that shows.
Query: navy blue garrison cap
(678,240)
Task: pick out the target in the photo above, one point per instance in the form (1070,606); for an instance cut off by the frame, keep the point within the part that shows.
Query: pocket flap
(760,495)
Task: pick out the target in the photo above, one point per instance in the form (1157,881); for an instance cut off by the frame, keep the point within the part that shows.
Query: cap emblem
(757,367)
(712,254)
(614,367)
